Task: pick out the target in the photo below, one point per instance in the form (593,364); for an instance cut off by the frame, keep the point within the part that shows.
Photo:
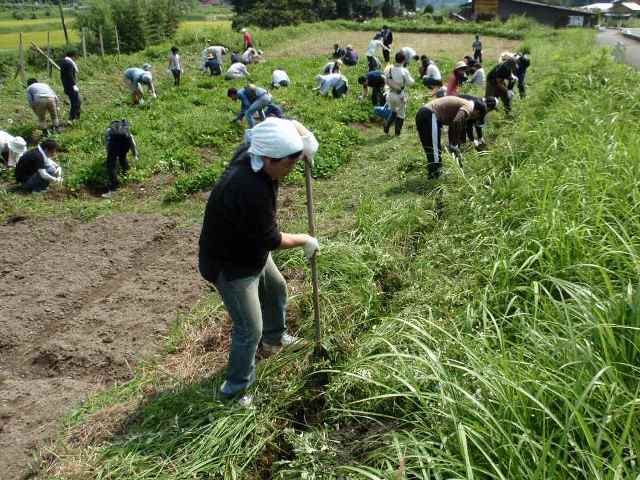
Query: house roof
(630,5)
(601,7)
(554,7)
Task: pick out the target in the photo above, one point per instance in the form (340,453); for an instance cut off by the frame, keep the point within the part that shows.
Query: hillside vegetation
(485,326)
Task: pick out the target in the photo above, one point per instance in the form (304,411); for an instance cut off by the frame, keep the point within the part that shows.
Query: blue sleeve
(244,101)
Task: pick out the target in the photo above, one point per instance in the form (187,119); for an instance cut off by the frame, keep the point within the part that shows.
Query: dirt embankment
(80,305)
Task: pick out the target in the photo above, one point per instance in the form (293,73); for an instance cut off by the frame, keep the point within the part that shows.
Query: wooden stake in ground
(84,44)
(64,25)
(117,41)
(101,42)
(50,62)
(49,54)
(21,60)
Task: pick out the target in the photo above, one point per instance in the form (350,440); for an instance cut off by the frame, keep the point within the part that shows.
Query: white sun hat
(275,138)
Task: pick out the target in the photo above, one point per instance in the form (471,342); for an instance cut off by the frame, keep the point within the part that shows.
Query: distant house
(616,13)
(630,8)
(552,15)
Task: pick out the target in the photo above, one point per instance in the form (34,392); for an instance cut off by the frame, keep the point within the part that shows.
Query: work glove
(310,147)
(59,179)
(510,94)
(310,247)
(76,89)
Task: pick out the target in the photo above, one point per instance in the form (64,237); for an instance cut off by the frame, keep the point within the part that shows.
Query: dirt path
(610,38)
(80,305)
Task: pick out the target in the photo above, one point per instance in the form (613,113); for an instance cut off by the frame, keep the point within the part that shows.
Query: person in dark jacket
(338,52)
(239,232)
(500,79)
(36,169)
(69,79)
(119,142)
(523,62)
(376,80)
(476,122)
(387,40)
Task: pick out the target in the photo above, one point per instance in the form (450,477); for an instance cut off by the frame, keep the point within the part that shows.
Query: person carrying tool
(36,169)
(387,40)
(69,79)
(43,100)
(453,112)
(374,45)
(11,149)
(477,49)
(500,79)
(134,78)
(239,232)
(253,100)
(398,79)
(119,142)
(375,80)
(457,78)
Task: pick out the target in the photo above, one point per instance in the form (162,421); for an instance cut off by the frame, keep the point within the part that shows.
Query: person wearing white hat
(239,232)
(11,148)
(457,77)
(134,78)
(247,39)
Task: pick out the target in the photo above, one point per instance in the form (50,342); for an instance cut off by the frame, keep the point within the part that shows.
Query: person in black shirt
(239,231)
(377,82)
(69,79)
(499,80)
(119,142)
(36,169)
(387,40)
(523,63)
(338,52)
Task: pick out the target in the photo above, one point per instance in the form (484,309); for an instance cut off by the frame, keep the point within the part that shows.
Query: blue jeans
(258,308)
(257,106)
(36,183)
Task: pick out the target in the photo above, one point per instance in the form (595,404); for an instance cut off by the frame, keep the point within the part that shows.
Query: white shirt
(398,78)
(479,77)
(279,76)
(374,45)
(327,82)
(238,69)
(174,62)
(329,67)
(247,56)
(433,72)
(409,53)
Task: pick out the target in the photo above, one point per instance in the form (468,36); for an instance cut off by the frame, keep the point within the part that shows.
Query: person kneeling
(36,169)
(239,232)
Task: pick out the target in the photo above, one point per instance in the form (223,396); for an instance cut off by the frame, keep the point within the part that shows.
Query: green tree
(388,9)
(98,15)
(156,21)
(174,13)
(409,5)
(129,17)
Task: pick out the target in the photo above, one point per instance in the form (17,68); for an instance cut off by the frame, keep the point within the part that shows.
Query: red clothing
(452,85)
(248,40)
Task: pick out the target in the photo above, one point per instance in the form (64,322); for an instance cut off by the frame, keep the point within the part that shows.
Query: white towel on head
(275,138)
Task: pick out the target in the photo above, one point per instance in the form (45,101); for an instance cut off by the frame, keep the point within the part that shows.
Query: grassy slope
(481,327)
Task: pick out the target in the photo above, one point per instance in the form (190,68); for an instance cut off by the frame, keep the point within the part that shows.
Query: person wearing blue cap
(134,78)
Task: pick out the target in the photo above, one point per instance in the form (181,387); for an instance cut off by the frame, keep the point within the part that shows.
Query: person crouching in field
(280,78)
(36,169)
(69,79)
(119,142)
(175,66)
(253,100)
(336,83)
(11,149)
(43,100)
(212,65)
(457,78)
(135,78)
(237,71)
(332,67)
(500,79)
(398,79)
(482,107)
(239,232)
(453,112)
(375,80)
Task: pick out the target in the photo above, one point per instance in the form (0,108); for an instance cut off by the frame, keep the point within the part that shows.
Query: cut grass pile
(485,326)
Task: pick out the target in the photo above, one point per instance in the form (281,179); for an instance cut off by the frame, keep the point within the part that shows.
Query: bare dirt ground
(436,45)
(80,305)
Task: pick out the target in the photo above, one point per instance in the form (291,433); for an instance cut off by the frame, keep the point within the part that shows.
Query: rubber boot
(387,124)
(434,170)
(399,123)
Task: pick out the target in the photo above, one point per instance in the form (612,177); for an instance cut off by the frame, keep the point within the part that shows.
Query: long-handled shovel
(319,350)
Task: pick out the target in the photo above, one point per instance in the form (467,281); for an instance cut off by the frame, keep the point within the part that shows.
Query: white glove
(476,143)
(75,88)
(309,147)
(510,94)
(360,98)
(311,246)
(154,95)
(136,158)
(59,179)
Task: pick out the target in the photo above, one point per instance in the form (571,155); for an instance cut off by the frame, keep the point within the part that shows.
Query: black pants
(429,131)
(431,83)
(377,96)
(386,53)
(477,56)
(373,63)
(214,68)
(177,74)
(74,100)
(114,157)
(521,84)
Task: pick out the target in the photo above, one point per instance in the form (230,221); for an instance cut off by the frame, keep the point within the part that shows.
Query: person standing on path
(453,112)
(119,142)
(36,169)
(69,79)
(387,40)
(175,66)
(398,79)
(43,100)
(477,49)
(253,100)
(239,232)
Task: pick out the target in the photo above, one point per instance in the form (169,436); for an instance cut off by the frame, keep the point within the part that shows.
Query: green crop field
(482,326)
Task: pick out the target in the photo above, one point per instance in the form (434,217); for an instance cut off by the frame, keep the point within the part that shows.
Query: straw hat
(460,65)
